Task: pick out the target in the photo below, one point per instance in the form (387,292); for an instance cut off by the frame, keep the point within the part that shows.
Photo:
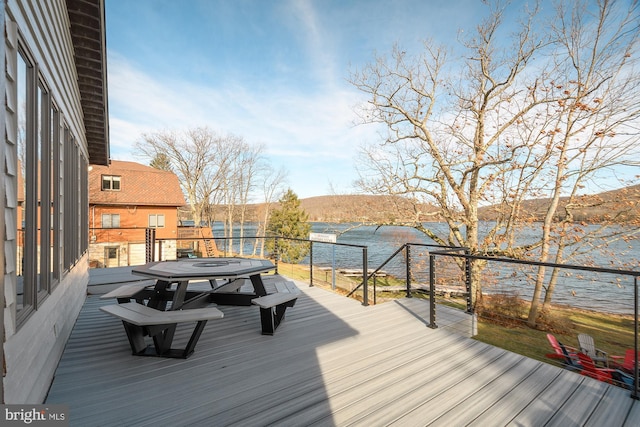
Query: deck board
(332,362)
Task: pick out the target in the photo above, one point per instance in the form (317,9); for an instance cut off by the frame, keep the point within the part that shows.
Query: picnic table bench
(280,293)
(126,293)
(274,305)
(140,321)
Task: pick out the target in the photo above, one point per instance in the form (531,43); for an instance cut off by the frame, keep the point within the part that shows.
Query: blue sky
(271,71)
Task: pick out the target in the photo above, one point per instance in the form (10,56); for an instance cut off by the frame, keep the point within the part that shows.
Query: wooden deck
(333,362)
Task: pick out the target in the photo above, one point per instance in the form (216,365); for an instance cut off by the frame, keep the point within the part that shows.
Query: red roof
(139,185)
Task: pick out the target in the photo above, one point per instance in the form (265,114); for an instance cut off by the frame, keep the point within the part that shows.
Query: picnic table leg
(160,295)
(176,304)
(178,296)
(267,321)
(258,285)
(135,334)
(161,340)
(270,318)
(163,337)
(195,336)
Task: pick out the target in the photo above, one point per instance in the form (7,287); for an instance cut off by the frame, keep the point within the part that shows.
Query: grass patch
(612,333)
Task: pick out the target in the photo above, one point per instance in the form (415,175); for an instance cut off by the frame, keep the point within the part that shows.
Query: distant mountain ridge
(622,205)
(364,208)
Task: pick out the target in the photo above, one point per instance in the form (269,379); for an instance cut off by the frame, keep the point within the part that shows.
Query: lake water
(604,292)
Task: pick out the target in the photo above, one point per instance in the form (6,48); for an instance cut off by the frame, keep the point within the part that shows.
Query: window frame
(43,189)
(56,195)
(27,264)
(111,217)
(111,179)
(155,222)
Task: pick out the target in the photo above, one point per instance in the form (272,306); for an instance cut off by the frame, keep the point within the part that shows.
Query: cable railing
(531,267)
(442,275)
(246,246)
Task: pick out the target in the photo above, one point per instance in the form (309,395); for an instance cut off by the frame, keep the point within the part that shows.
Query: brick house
(125,198)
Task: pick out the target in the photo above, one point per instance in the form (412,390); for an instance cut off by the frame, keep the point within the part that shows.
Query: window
(56,197)
(50,207)
(110,183)
(43,188)
(111,253)
(110,220)
(156,221)
(25,121)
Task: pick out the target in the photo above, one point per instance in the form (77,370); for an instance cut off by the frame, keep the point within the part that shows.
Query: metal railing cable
(460,252)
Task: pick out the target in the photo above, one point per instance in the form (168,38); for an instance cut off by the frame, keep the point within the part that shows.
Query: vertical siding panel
(10,182)
(2,194)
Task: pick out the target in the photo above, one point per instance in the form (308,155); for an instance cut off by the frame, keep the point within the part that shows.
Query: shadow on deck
(332,362)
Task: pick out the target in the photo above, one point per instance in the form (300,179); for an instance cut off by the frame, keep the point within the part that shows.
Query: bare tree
(214,171)
(247,175)
(188,154)
(535,113)
(196,156)
(273,182)
(239,165)
(596,116)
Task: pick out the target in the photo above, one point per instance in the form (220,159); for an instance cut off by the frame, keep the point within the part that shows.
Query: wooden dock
(354,272)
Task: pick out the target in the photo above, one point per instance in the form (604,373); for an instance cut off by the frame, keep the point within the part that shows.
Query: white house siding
(33,346)
(32,353)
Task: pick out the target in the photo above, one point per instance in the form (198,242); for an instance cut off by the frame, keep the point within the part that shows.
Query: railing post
(408,273)
(467,268)
(375,292)
(365,278)
(311,263)
(277,252)
(432,292)
(150,244)
(635,393)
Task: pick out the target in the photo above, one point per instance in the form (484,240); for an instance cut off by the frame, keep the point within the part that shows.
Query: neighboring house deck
(332,362)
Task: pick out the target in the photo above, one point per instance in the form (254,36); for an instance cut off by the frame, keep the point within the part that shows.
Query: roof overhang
(87,18)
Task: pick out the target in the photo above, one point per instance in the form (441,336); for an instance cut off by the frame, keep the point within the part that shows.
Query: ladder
(209,244)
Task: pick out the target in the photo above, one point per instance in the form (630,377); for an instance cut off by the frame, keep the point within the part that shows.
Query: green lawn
(612,333)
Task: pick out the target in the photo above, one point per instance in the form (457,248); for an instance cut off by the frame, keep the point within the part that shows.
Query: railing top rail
(540,264)
(430,245)
(142,229)
(272,237)
(452,251)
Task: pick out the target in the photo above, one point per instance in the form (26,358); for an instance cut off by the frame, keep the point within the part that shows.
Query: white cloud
(317,40)
(292,124)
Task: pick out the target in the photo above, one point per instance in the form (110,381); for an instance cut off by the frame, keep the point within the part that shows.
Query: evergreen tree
(161,161)
(289,220)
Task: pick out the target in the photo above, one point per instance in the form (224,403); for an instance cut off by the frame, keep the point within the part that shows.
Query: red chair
(567,355)
(628,361)
(608,375)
